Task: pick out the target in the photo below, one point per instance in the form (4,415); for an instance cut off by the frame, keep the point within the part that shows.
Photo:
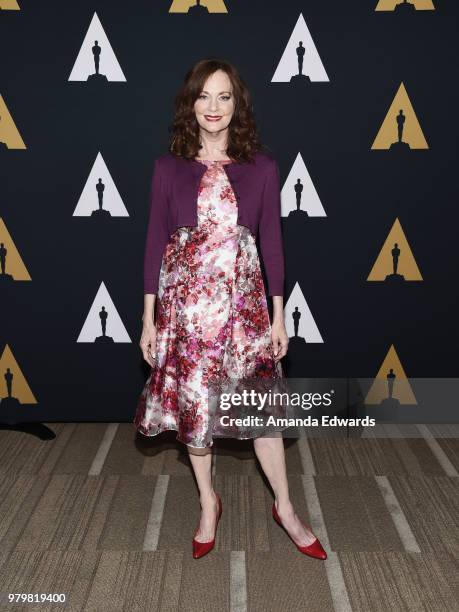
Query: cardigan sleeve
(157,232)
(269,229)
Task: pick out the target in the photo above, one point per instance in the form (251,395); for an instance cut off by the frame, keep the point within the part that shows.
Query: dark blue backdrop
(64,124)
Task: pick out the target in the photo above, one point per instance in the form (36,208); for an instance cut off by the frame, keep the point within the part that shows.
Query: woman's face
(214,106)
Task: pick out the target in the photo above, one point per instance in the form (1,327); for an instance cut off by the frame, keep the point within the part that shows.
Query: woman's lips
(211,118)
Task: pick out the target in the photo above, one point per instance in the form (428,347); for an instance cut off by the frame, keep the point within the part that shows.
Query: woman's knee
(268,441)
(193,450)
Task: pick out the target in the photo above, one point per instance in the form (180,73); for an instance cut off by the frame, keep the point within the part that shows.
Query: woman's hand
(148,343)
(280,339)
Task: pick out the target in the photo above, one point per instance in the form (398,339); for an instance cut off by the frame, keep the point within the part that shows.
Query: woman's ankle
(284,507)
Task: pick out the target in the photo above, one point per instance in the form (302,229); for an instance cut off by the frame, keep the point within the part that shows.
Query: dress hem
(178,439)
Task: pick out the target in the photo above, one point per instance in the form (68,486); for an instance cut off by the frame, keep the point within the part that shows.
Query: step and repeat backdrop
(358,102)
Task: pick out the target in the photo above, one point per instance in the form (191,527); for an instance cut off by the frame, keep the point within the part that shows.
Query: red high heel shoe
(202,548)
(313,550)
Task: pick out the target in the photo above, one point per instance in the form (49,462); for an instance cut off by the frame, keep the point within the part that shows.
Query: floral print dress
(212,322)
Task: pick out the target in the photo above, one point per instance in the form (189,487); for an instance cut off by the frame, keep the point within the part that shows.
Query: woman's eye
(226,98)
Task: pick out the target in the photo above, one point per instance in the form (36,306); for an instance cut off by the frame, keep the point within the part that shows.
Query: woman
(201,263)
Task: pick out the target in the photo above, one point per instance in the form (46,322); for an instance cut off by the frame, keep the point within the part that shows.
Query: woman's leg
(271,455)
(201,460)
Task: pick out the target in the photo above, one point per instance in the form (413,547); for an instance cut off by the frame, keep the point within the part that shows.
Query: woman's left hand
(280,339)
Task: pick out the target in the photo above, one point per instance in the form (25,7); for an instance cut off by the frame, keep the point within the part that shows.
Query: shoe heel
(202,548)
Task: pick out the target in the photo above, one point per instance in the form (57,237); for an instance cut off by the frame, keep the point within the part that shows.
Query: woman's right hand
(148,343)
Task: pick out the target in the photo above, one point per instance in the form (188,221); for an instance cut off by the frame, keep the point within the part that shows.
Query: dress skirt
(212,324)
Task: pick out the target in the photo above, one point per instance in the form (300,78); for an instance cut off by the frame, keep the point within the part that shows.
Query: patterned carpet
(106,517)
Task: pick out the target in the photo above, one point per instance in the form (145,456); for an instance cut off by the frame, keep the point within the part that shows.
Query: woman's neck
(212,151)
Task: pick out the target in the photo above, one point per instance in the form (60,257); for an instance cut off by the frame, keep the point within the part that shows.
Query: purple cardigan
(173,204)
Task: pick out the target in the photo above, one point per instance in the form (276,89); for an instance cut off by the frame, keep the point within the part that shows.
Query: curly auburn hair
(243,140)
